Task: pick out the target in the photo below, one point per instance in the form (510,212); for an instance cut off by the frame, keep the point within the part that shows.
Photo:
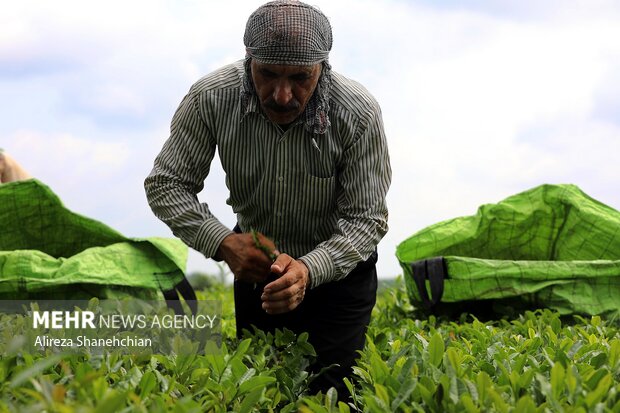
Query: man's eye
(267,73)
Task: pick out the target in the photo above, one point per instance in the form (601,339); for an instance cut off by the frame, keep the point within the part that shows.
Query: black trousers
(335,315)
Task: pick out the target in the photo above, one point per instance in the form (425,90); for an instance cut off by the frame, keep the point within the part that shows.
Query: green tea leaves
(537,362)
(436,349)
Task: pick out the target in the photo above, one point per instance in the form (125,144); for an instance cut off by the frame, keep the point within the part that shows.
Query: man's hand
(288,291)
(246,261)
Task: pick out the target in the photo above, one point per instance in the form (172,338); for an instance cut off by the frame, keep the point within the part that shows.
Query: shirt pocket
(319,195)
(312,210)
(319,163)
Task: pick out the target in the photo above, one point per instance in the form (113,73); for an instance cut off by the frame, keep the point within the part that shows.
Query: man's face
(284,90)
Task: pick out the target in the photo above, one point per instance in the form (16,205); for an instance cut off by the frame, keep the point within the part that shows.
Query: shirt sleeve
(178,176)
(364,178)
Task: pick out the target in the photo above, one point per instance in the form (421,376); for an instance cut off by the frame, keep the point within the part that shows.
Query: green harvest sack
(552,246)
(49,252)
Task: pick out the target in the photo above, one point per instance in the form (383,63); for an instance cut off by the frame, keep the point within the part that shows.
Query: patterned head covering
(289,32)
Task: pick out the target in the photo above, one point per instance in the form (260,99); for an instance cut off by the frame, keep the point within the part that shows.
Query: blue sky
(481,99)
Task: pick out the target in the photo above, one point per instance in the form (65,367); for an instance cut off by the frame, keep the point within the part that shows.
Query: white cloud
(464,96)
(82,171)
(478,104)
(67,155)
(117,98)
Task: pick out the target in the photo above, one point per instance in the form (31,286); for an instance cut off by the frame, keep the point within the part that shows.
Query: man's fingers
(286,298)
(248,263)
(283,301)
(279,265)
(288,291)
(295,289)
(265,241)
(280,307)
(280,284)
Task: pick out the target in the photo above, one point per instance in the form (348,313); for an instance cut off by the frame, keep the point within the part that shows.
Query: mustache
(293,105)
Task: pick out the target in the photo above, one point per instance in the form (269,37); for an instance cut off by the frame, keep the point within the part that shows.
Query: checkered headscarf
(290,32)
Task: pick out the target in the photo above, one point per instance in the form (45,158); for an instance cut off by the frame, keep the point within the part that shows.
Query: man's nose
(282,93)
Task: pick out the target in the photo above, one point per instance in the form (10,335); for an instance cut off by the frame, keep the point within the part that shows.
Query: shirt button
(279,214)
(280,178)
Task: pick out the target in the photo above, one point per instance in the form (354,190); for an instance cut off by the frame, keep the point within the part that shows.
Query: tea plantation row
(536,362)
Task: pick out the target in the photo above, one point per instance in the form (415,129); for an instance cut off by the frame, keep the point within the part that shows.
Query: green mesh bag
(49,252)
(549,247)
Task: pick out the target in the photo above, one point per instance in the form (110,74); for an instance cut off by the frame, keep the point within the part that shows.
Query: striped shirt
(320,198)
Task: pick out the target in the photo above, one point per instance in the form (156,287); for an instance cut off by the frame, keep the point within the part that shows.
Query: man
(307,166)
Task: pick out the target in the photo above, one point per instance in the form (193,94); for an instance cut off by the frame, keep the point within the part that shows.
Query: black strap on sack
(434,270)
(187,292)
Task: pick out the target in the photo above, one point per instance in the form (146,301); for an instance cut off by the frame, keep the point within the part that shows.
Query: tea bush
(536,362)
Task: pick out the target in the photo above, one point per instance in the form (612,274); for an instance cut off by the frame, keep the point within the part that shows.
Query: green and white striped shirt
(320,198)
